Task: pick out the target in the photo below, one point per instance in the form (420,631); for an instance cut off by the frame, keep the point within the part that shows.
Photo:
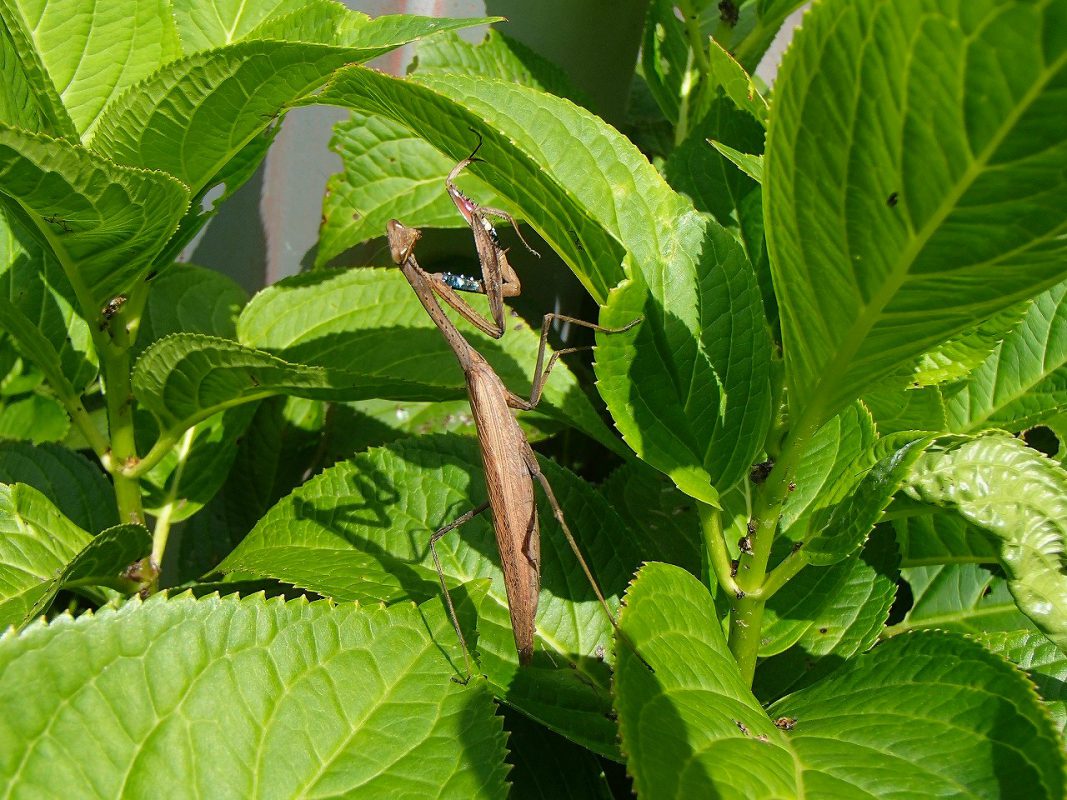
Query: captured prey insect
(508,460)
(498,276)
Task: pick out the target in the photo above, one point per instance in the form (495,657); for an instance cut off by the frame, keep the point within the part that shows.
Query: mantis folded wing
(508,460)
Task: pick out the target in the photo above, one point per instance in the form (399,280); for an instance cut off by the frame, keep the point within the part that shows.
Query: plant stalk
(161,532)
(715,546)
(747,611)
(115,360)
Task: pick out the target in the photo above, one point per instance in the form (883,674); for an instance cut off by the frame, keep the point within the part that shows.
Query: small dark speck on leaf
(892,201)
(823,630)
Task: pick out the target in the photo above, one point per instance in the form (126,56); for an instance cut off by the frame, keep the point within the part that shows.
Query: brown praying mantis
(508,460)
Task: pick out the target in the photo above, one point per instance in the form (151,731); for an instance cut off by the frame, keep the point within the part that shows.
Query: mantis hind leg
(557,512)
(441,577)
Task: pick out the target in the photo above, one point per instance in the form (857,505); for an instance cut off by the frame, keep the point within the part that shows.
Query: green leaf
(195,469)
(497,56)
(662,520)
(839,610)
(185,378)
(822,606)
(921,409)
(841,528)
(205,24)
(362,424)
(36,348)
(361,530)
(751,165)
(681,724)
(317,701)
(928,537)
(92,51)
(30,99)
(389,173)
(956,357)
(965,598)
(717,186)
(886,191)
(736,83)
(100,563)
(36,418)
(924,715)
(1018,495)
(826,472)
(279,450)
(1024,381)
(665,59)
(770,16)
(104,222)
(76,486)
(919,714)
(44,305)
(1043,663)
(195,114)
(190,299)
(689,388)
(374,317)
(36,541)
(548,767)
(574,178)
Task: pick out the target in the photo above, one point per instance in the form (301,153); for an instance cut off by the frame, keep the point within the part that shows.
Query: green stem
(163,519)
(695,81)
(695,36)
(715,546)
(747,611)
(162,446)
(84,423)
(781,575)
(115,360)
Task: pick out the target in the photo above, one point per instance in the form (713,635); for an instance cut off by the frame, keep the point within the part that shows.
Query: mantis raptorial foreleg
(499,279)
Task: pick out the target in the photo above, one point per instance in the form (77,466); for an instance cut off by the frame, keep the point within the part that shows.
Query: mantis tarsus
(507,458)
